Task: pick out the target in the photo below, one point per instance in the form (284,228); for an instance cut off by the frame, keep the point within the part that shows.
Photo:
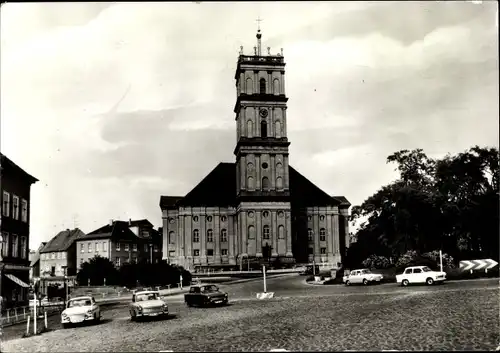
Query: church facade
(258,209)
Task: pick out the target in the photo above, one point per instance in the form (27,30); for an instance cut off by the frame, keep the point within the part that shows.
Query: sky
(111,105)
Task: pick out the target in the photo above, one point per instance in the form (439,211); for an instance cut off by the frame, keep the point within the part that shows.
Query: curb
(312,283)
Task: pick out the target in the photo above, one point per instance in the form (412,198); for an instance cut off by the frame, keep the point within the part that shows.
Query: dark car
(203,295)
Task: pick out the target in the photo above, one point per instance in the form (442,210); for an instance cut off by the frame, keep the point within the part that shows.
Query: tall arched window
(277,128)
(223,236)
(249,128)
(322,234)
(263,128)
(265,183)
(196,236)
(310,234)
(262,85)
(249,86)
(265,232)
(276,86)
(250,183)
(281,232)
(210,236)
(251,232)
(171,237)
(279,183)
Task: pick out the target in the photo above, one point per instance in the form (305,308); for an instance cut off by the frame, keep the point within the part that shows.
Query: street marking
(278,350)
(268,295)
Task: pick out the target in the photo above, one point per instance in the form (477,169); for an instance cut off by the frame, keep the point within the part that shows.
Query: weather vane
(258,23)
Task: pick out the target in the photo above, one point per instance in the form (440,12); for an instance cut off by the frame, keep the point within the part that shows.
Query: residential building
(35,263)
(259,207)
(58,259)
(15,185)
(121,242)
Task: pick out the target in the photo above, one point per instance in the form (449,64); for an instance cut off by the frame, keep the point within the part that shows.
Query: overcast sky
(113,105)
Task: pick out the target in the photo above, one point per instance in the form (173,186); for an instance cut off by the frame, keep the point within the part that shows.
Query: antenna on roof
(75,221)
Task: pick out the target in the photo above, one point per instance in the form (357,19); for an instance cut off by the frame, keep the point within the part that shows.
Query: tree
(450,204)
(97,269)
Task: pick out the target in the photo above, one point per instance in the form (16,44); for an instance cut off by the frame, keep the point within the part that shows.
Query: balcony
(255,59)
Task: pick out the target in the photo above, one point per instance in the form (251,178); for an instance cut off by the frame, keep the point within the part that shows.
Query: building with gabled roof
(258,208)
(121,242)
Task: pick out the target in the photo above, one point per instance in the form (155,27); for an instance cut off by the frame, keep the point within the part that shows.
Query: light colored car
(147,303)
(80,309)
(363,276)
(420,274)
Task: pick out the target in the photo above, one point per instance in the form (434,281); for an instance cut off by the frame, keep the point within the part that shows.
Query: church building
(258,209)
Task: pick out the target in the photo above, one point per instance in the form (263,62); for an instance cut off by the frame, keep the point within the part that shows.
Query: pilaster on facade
(258,216)
(288,234)
(336,249)
(330,239)
(244,233)
(274,228)
(217,239)
(180,237)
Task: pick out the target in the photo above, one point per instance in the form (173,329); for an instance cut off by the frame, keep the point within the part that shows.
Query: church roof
(218,189)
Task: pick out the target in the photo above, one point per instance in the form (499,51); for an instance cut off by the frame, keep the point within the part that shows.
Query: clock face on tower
(263,113)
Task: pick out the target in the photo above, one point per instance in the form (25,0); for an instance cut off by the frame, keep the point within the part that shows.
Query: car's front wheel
(429,281)
(347,283)
(405,283)
(365,282)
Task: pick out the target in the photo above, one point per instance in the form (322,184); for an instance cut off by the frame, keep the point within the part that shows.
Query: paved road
(456,315)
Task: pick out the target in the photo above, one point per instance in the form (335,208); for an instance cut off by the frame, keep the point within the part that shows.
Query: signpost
(474,265)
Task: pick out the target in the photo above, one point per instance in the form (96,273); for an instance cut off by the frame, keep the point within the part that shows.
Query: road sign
(474,265)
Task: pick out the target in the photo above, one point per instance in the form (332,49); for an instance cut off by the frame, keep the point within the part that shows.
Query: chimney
(130,222)
(111,222)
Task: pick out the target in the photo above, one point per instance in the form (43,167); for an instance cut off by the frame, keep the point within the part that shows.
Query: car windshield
(146,296)
(208,289)
(79,302)
(426,269)
(366,271)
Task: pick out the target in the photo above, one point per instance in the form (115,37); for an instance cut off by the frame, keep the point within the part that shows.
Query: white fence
(17,315)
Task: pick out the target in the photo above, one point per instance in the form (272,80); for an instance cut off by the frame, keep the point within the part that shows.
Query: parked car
(80,309)
(146,304)
(203,295)
(419,275)
(363,276)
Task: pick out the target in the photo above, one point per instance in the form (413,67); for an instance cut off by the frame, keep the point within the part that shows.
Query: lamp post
(65,269)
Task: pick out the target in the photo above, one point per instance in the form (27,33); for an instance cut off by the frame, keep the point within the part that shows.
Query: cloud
(126,102)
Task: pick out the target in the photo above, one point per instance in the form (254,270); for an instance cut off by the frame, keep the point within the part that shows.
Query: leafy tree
(450,204)
(97,269)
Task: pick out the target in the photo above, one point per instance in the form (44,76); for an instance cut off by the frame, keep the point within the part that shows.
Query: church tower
(262,173)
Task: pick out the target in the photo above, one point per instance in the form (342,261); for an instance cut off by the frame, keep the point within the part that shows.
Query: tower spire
(259,36)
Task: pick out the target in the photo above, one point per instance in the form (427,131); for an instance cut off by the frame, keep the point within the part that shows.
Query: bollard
(45,317)
(15,313)
(28,326)
(8,317)
(24,313)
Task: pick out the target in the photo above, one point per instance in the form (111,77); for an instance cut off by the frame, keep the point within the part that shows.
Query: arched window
(265,232)
(276,86)
(310,234)
(196,236)
(277,128)
(251,232)
(171,237)
(281,232)
(322,234)
(210,236)
(279,183)
(249,86)
(249,128)
(265,183)
(250,184)
(223,236)
(263,128)
(262,85)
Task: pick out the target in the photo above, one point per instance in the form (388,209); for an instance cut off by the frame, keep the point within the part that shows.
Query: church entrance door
(266,251)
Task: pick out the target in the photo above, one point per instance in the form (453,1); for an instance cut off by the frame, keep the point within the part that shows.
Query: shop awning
(16,280)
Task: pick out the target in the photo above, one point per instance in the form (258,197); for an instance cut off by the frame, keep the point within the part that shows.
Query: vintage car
(363,276)
(80,309)
(420,275)
(147,304)
(203,295)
